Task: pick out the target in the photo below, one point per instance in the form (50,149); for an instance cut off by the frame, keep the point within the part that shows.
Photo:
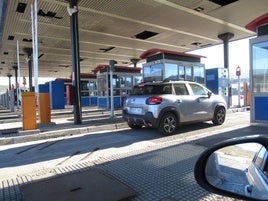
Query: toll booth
(217,81)
(88,84)
(170,65)
(124,78)
(259,70)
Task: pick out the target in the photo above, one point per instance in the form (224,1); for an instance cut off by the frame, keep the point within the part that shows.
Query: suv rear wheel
(168,124)
(219,116)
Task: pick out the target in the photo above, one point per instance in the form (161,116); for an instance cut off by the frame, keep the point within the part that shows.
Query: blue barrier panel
(85,101)
(117,102)
(102,102)
(56,90)
(43,88)
(93,100)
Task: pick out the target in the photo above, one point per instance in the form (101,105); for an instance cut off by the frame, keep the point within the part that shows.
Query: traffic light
(238,71)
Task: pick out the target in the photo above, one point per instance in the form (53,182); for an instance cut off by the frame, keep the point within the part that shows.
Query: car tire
(168,124)
(134,126)
(219,116)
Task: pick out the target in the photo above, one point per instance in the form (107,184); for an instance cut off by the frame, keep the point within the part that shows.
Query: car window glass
(151,89)
(167,89)
(198,90)
(180,89)
(259,158)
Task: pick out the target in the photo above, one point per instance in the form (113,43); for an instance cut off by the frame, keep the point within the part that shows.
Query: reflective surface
(241,169)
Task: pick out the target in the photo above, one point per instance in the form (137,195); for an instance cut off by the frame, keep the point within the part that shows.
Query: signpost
(111,64)
(238,73)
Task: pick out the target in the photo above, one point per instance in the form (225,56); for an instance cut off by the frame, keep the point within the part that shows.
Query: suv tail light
(154,100)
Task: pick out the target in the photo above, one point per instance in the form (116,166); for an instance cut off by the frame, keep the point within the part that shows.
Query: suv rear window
(152,89)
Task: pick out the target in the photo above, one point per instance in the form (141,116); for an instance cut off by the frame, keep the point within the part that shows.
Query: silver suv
(166,105)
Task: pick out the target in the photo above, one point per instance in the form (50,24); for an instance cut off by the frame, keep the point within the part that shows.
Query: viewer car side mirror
(237,168)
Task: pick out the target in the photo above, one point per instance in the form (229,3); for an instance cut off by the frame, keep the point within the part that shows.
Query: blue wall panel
(212,80)
(261,108)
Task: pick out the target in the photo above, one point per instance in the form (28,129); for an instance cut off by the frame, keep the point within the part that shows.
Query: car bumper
(144,120)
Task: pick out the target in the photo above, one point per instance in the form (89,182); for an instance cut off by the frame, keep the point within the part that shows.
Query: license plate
(135,110)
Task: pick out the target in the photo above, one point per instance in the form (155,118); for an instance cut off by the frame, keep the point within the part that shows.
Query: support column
(135,61)
(225,37)
(73,12)
(29,52)
(16,81)
(9,81)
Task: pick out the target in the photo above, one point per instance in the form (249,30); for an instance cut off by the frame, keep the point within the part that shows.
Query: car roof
(165,82)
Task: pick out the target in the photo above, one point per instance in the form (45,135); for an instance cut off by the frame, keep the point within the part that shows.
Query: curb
(36,135)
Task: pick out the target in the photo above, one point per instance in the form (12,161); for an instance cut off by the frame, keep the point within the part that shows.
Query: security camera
(72,10)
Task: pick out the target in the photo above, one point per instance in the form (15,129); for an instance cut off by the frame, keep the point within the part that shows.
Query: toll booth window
(188,73)
(128,82)
(125,81)
(260,66)
(171,71)
(92,86)
(102,86)
(181,73)
(137,80)
(199,74)
(153,73)
(116,81)
(84,85)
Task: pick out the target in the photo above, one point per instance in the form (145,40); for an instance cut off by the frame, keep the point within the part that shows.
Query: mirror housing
(209,94)
(203,160)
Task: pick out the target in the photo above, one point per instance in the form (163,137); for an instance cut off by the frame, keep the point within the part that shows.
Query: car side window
(167,89)
(260,160)
(198,90)
(180,89)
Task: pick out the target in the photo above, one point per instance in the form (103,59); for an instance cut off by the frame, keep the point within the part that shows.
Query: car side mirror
(209,94)
(236,168)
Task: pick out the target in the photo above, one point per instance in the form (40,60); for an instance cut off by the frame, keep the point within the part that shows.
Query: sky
(238,55)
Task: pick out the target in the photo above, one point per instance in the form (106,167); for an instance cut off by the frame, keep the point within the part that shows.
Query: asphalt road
(31,156)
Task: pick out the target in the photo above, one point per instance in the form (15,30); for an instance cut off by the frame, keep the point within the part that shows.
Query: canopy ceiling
(118,30)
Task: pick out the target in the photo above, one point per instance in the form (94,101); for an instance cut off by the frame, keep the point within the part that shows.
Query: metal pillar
(9,81)
(73,12)
(29,52)
(112,63)
(16,75)
(16,82)
(225,37)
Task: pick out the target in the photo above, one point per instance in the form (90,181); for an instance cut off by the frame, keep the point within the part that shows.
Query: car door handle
(178,100)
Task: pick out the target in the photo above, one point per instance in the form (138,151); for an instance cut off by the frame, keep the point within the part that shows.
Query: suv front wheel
(168,124)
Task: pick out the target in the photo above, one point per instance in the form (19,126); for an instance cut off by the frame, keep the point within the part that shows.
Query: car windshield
(151,89)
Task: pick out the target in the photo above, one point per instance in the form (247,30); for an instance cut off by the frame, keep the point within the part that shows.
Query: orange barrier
(44,108)
(28,111)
